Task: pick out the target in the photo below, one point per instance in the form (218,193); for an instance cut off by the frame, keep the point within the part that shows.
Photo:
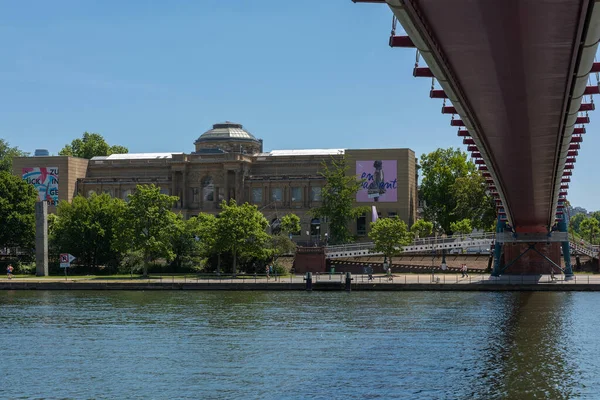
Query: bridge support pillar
(500,225)
(566,250)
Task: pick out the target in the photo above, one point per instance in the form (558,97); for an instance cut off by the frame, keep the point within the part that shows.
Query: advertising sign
(45,181)
(379,181)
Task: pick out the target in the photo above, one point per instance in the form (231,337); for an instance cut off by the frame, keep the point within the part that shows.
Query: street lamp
(444,252)
(309,237)
(326,238)
(318,227)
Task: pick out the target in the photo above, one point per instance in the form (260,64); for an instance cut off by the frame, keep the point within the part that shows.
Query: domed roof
(227,131)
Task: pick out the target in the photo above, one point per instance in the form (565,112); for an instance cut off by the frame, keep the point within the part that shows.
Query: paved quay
(334,282)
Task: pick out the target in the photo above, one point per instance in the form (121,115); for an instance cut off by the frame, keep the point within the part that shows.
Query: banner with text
(379,181)
(45,181)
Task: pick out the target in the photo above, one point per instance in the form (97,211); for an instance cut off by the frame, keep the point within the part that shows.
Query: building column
(237,191)
(41,238)
(184,190)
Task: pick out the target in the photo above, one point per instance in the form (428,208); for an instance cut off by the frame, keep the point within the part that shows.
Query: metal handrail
(431,241)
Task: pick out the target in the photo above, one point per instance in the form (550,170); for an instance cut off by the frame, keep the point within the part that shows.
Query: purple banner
(379,181)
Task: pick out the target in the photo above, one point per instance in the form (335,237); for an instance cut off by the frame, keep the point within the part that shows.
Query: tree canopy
(338,196)
(388,236)
(290,224)
(149,224)
(7,153)
(87,228)
(590,229)
(463,226)
(453,190)
(17,211)
(91,145)
(241,230)
(422,228)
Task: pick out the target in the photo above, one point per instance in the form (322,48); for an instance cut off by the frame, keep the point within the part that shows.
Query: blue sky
(155,75)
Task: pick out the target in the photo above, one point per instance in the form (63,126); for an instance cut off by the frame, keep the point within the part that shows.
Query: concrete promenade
(334,282)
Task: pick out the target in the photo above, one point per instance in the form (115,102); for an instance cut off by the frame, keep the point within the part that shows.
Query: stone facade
(228,163)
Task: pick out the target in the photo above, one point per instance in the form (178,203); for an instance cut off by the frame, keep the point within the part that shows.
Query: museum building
(228,162)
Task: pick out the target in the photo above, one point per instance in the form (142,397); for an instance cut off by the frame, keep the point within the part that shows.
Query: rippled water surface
(276,345)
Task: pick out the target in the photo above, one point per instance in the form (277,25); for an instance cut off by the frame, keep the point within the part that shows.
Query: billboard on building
(45,181)
(379,181)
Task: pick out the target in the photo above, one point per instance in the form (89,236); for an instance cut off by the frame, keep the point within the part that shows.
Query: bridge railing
(429,241)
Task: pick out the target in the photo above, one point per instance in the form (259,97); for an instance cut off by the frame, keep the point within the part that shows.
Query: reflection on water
(272,345)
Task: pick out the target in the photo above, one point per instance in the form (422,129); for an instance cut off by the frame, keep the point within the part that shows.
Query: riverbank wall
(282,286)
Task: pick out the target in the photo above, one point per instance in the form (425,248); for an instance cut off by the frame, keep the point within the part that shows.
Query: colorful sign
(45,181)
(66,259)
(379,181)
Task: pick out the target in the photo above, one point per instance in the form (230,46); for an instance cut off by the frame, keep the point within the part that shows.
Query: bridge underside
(515,72)
(511,65)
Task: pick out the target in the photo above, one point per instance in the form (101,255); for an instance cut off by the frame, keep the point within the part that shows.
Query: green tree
(87,228)
(280,245)
(149,224)
(388,236)
(185,241)
(453,190)
(7,153)
(575,222)
(241,231)
(590,228)
(596,215)
(17,212)
(290,224)
(91,145)
(463,226)
(473,201)
(422,228)
(338,196)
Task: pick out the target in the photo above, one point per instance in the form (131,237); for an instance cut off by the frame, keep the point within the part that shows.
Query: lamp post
(318,227)
(309,237)
(443,252)
(326,238)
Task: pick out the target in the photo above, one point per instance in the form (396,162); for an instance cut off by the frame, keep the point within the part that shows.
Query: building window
(164,191)
(107,191)
(90,193)
(276,194)
(257,195)
(208,189)
(392,214)
(195,195)
(361,225)
(315,193)
(126,194)
(296,194)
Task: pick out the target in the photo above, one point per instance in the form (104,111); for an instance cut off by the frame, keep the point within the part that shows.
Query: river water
(298,345)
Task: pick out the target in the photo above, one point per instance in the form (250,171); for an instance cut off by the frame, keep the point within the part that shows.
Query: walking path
(320,282)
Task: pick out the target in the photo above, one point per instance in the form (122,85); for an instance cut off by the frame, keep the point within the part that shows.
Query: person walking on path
(9,271)
(465,270)
(267,270)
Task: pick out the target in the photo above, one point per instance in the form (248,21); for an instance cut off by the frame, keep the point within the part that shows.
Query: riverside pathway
(429,281)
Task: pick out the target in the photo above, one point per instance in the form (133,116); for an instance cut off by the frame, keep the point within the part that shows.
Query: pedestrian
(267,269)
(370,271)
(466,273)
(462,269)
(390,276)
(9,271)
(552,274)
